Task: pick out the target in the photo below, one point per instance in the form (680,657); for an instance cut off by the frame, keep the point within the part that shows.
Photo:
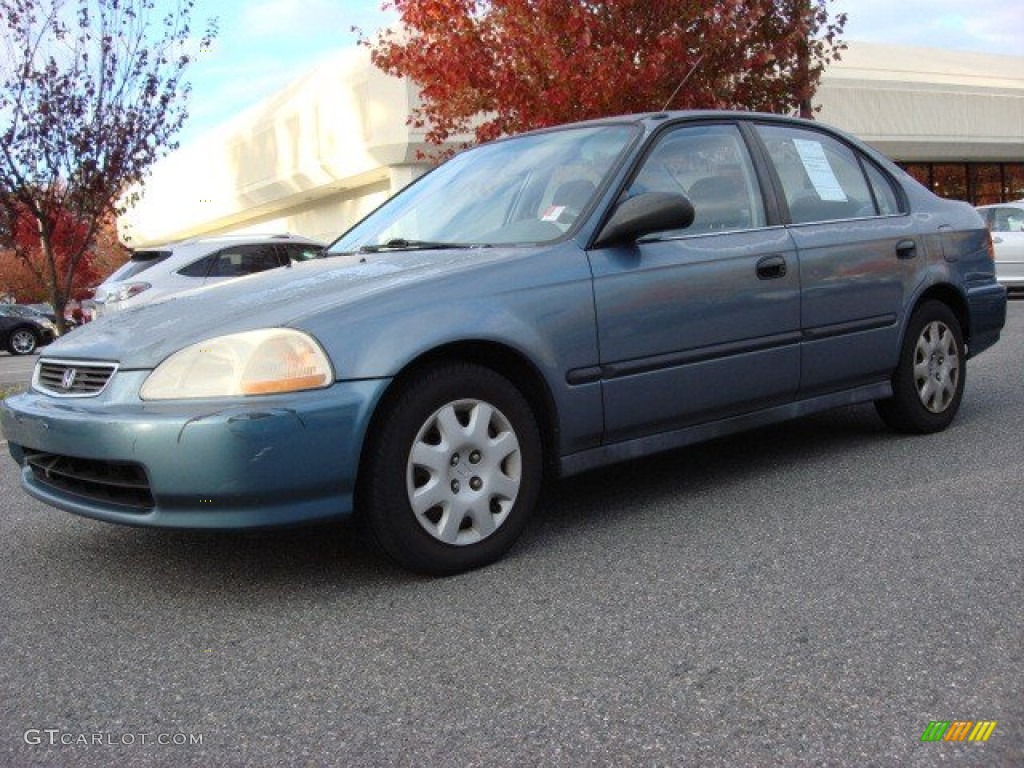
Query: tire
(928,383)
(22,341)
(452,471)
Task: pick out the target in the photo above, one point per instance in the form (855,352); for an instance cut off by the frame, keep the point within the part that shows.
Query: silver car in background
(157,272)
(1006,223)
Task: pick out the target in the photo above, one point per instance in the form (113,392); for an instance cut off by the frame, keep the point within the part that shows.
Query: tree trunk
(58,299)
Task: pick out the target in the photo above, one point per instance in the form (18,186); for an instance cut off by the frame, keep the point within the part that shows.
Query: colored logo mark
(958,730)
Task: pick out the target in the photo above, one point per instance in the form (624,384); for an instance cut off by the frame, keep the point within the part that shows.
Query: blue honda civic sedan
(540,305)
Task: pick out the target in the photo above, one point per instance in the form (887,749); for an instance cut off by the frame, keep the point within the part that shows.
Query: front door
(701,323)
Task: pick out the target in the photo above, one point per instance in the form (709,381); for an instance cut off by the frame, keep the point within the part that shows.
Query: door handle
(997,239)
(771,267)
(906,249)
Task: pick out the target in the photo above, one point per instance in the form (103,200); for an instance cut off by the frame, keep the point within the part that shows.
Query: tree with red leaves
(498,67)
(91,95)
(23,268)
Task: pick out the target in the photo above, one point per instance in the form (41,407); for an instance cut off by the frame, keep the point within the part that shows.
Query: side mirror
(644,215)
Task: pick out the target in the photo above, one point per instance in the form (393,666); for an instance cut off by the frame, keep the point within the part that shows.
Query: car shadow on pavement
(625,488)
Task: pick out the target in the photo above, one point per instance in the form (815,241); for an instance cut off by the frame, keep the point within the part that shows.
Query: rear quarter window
(139,262)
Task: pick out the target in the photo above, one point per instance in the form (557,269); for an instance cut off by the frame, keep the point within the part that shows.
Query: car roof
(656,118)
(239,239)
(1000,205)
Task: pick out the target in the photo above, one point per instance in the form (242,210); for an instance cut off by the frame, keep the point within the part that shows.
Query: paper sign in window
(812,155)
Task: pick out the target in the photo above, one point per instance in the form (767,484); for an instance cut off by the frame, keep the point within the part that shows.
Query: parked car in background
(551,302)
(23,329)
(46,310)
(1006,222)
(154,273)
(43,309)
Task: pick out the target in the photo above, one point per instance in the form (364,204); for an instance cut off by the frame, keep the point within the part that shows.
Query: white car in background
(1006,222)
(154,273)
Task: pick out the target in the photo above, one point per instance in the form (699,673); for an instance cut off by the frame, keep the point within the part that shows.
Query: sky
(263,45)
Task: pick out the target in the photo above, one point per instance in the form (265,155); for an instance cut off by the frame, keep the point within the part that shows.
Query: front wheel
(928,383)
(452,471)
(22,342)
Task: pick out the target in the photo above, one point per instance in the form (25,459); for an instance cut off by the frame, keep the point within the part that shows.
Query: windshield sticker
(552,213)
(812,154)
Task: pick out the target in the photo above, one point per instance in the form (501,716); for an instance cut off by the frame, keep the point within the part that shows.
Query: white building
(319,155)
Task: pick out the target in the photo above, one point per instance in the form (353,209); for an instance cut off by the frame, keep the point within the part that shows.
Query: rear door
(859,254)
(700,323)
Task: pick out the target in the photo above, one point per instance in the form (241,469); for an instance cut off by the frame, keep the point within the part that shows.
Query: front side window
(709,164)
(198,268)
(301,252)
(822,178)
(528,189)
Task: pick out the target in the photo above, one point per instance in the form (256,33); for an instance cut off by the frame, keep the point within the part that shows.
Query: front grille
(114,482)
(72,378)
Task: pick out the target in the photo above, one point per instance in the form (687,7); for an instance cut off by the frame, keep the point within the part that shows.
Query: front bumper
(213,464)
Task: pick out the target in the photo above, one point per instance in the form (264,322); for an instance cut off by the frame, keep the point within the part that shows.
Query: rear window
(139,262)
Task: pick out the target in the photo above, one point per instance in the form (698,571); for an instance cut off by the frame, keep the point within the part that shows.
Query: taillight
(990,246)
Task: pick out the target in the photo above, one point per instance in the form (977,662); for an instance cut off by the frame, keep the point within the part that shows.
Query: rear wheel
(22,342)
(453,470)
(928,383)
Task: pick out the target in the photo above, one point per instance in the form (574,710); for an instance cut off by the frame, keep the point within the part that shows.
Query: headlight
(251,363)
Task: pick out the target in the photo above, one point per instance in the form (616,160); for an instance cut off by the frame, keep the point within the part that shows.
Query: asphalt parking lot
(811,594)
(16,370)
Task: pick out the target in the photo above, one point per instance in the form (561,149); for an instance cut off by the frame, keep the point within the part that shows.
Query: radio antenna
(683,81)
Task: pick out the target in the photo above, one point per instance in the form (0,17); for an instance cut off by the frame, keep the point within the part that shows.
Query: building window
(986,183)
(950,180)
(1013,182)
(920,171)
(977,183)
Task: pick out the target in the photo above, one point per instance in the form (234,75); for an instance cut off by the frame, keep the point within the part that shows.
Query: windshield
(529,189)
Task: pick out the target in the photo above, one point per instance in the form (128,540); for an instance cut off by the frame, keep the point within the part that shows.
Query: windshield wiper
(401,244)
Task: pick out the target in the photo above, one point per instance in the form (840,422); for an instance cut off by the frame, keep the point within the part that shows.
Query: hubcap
(23,342)
(936,367)
(464,472)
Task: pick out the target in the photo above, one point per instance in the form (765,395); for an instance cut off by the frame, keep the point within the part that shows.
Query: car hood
(142,337)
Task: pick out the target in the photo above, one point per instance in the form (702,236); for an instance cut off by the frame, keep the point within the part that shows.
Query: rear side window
(1007,219)
(822,178)
(244,260)
(139,262)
